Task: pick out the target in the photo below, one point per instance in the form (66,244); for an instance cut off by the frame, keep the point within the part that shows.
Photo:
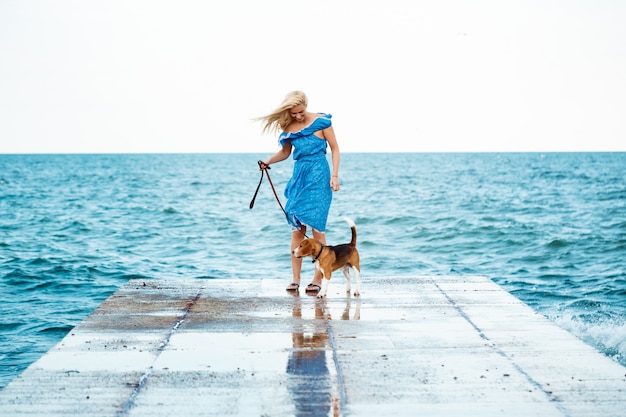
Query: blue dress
(308,191)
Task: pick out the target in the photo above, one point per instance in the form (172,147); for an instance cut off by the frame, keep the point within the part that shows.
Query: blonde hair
(280,118)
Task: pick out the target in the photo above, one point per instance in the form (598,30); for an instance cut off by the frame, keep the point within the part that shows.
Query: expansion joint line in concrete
(500,352)
(144,378)
(341,386)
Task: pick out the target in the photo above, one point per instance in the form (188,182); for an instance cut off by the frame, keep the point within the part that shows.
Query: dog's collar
(318,255)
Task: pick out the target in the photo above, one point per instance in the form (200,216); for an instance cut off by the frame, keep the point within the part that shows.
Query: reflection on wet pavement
(313,382)
(308,377)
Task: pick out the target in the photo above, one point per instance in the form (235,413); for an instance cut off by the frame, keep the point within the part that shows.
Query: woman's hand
(334,183)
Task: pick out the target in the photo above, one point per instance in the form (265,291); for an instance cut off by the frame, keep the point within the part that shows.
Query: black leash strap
(258,186)
(275,194)
(264,170)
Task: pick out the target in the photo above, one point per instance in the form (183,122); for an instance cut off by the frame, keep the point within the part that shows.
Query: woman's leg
(296,263)
(317,277)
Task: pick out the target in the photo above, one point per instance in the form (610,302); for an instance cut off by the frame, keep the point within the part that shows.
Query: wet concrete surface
(433,346)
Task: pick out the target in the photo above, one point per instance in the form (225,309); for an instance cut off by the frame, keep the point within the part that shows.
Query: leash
(264,170)
(258,186)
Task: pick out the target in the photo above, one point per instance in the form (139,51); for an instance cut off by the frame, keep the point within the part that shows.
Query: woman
(309,191)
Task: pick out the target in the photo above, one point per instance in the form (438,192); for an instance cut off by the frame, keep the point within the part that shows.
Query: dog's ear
(307,245)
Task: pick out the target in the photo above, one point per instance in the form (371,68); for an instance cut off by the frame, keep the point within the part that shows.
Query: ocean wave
(606,333)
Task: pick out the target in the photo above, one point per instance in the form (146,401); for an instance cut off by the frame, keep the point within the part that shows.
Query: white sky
(398,75)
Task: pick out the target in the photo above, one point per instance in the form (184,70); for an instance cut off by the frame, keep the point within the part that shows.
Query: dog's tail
(353,227)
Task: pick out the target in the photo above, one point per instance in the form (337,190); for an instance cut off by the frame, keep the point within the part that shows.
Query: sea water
(550,228)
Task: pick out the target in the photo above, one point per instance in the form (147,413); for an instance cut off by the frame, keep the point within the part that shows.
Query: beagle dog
(331,258)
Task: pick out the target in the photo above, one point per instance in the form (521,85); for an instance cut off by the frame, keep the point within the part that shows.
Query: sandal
(293,287)
(313,288)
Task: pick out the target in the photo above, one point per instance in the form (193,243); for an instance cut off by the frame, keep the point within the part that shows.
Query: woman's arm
(329,135)
(281,155)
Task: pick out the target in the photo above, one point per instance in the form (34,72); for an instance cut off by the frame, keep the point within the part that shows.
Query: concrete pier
(431,346)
